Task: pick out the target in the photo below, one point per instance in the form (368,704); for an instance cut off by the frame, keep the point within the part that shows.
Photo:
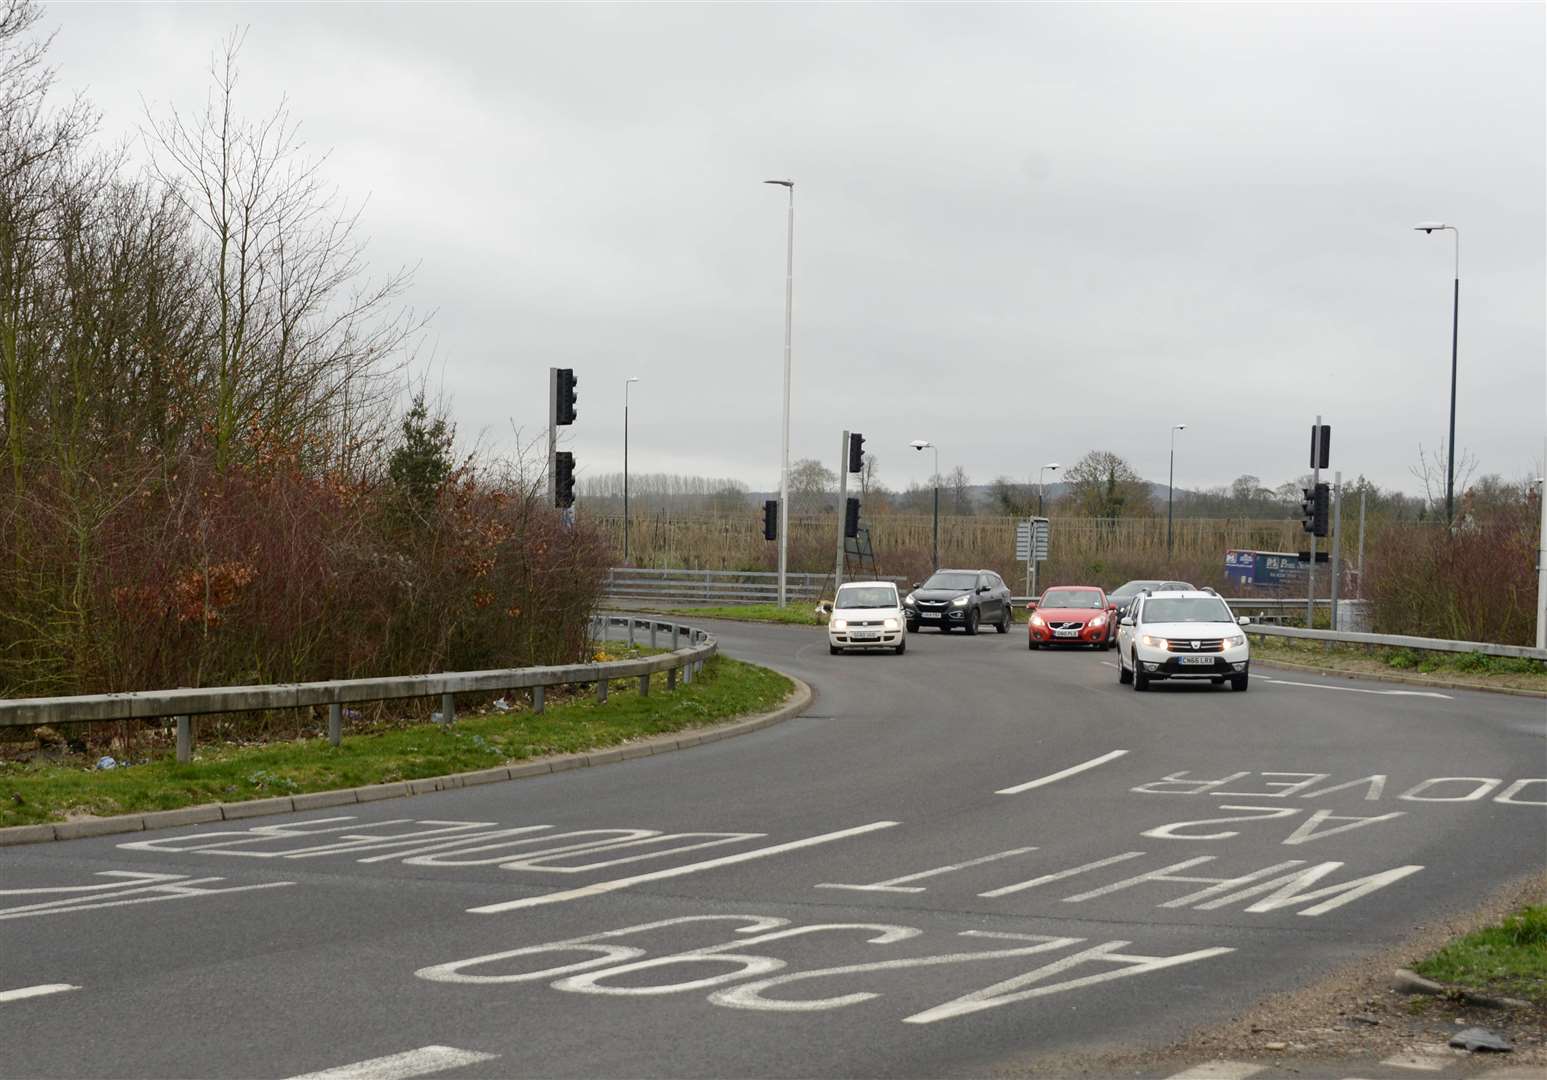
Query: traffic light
(856,452)
(563,479)
(1322,503)
(851,517)
(1307,509)
(566,397)
(771,519)
(1321,445)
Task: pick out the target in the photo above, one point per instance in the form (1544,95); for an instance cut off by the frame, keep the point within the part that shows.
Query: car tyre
(833,650)
(1004,622)
(913,627)
(1141,681)
(972,622)
(1124,676)
(902,646)
(1238,682)
(1031,645)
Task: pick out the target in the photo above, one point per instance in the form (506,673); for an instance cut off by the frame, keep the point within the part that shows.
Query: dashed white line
(1219,1070)
(1053,778)
(421,1062)
(41,990)
(1357,689)
(676,871)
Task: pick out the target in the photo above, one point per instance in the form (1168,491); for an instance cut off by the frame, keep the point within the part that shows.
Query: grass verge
(1507,959)
(798,613)
(34,792)
(1473,669)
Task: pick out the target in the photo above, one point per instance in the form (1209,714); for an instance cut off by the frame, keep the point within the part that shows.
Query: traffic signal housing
(1307,508)
(771,519)
(565,412)
(856,452)
(563,479)
(851,517)
(1321,514)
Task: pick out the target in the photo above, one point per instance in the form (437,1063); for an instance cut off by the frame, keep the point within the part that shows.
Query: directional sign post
(1031,548)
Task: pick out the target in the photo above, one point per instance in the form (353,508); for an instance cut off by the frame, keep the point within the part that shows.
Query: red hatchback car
(1073,615)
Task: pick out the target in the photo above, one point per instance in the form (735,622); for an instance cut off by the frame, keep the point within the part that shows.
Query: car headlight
(1153,642)
(889,624)
(1098,622)
(1236,640)
(1036,620)
(908,600)
(840,624)
(960,601)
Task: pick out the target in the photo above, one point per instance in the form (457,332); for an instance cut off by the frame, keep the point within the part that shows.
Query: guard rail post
(601,690)
(184,739)
(537,700)
(671,679)
(653,625)
(631,631)
(644,686)
(335,723)
(448,708)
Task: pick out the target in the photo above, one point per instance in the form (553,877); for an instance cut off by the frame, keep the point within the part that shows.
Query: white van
(866,615)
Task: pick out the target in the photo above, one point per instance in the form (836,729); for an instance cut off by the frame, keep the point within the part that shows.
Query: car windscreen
(952,581)
(1071,598)
(1186,609)
(866,596)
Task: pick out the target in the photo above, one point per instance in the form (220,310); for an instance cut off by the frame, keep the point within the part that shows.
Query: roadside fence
(689,648)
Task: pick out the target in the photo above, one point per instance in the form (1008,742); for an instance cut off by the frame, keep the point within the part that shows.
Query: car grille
(1067,625)
(853,624)
(933,603)
(1195,645)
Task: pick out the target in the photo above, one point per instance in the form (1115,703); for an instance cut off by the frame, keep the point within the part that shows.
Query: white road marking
(1060,875)
(1358,690)
(1219,1070)
(1055,777)
(410,1063)
(892,884)
(616,884)
(41,990)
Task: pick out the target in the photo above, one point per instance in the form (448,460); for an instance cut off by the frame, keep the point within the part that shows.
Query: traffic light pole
(553,431)
(1337,541)
(843,503)
(1310,570)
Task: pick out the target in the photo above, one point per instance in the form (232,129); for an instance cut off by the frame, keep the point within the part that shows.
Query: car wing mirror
(1126,621)
(1244,620)
(915,585)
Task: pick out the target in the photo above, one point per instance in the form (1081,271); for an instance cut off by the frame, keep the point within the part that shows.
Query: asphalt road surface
(959,859)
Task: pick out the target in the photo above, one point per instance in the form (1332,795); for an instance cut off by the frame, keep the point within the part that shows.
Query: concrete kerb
(798,702)
(1406,680)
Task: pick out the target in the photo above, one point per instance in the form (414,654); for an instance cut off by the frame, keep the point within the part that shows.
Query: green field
(34,792)
(1509,959)
(798,613)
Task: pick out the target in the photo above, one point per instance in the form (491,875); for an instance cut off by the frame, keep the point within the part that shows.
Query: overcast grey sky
(1022,231)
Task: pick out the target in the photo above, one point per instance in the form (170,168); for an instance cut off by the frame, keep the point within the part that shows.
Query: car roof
(890,584)
(1185,594)
(956,570)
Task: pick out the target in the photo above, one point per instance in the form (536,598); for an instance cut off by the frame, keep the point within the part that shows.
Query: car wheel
(1124,676)
(972,621)
(1141,681)
(913,627)
(1004,622)
(1238,682)
(902,646)
(833,650)
(1030,644)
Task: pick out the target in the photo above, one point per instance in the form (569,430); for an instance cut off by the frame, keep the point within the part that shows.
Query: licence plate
(1198,661)
(864,637)
(1066,633)
(930,615)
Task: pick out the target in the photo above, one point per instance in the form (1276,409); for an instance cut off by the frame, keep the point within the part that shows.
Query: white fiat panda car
(866,615)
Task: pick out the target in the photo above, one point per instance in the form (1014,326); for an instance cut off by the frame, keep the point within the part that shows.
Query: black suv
(964,598)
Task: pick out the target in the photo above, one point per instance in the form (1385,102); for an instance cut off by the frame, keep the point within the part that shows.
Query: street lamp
(626,382)
(1042,473)
(784,456)
(1455,317)
(1171,485)
(925,444)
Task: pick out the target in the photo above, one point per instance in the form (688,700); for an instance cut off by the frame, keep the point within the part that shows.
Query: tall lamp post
(784,455)
(934,551)
(1455,319)
(1171,485)
(1045,470)
(626,384)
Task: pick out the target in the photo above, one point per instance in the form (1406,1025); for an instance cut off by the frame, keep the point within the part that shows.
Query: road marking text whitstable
(895,884)
(601,887)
